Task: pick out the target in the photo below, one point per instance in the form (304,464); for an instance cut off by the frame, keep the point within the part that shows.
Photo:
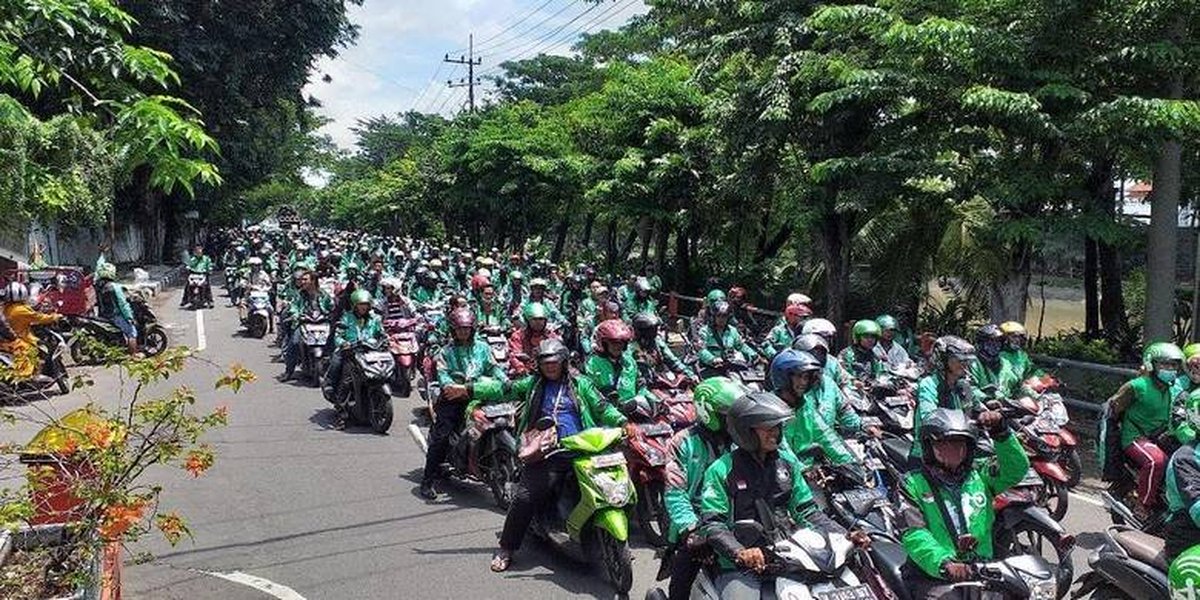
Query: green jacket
(810,428)
(928,538)
(691,452)
(932,394)
(1183,431)
(1150,412)
(303,304)
(719,509)
(495,317)
(860,363)
(603,373)
(1003,377)
(1021,365)
(827,397)
(526,391)
(633,306)
(425,296)
(353,328)
(716,346)
(665,357)
(780,338)
(200,264)
(467,364)
(553,315)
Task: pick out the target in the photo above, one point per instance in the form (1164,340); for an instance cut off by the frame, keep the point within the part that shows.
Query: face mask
(1167,376)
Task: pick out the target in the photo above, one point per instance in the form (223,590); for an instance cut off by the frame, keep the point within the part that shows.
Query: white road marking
(201,339)
(271,588)
(1088,499)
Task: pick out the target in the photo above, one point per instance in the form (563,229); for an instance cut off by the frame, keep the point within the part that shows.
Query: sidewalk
(152,279)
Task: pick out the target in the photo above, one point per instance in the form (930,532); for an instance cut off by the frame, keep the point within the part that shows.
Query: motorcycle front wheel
(1055,496)
(380,409)
(503,478)
(651,513)
(615,560)
(1071,463)
(155,341)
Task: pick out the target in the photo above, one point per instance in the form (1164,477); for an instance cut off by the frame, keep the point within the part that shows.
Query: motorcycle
(195,292)
(314,335)
(1052,426)
(1024,577)
(365,391)
(1129,565)
(498,342)
(486,453)
(151,337)
(405,348)
(588,521)
(1043,440)
(51,349)
(648,453)
(749,373)
(258,313)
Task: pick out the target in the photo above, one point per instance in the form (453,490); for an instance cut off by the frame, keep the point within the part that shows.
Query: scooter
(1129,565)
(674,399)
(405,348)
(51,348)
(1025,577)
(365,390)
(151,337)
(486,452)
(498,342)
(258,313)
(648,453)
(1052,425)
(314,334)
(196,290)
(588,520)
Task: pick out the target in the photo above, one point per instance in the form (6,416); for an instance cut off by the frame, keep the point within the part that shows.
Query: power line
(520,39)
(471,63)
(441,90)
(425,91)
(489,40)
(541,45)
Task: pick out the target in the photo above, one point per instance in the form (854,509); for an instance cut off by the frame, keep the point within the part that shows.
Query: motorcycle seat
(897,450)
(1143,547)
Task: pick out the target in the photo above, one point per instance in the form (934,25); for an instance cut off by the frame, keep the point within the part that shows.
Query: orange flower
(197,462)
(119,518)
(98,433)
(172,527)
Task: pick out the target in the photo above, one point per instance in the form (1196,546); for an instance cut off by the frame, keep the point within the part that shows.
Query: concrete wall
(73,246)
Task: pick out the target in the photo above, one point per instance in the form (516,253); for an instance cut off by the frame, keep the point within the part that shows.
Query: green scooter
(588,521)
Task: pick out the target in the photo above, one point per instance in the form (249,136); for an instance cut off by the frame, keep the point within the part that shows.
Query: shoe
(427,491)
(286,377)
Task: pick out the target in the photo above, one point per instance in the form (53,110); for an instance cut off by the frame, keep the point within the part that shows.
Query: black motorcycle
(151,337)
(52,346)
(314,337)
(365,391)
(196,291)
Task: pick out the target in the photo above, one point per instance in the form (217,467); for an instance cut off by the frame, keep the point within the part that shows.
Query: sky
(396,64)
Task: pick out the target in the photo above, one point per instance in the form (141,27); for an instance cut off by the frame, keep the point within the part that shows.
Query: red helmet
(613,330)
(462,317)
(478,282)
(798,310)
(737,293)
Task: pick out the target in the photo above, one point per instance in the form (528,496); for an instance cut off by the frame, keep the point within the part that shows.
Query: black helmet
(810,343)
(646,324)
(947,424)
(989,340)
(757,409)
(552,350)
(951,346)
(720,308)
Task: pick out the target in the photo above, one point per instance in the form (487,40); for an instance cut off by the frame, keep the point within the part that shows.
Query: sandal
(501,561)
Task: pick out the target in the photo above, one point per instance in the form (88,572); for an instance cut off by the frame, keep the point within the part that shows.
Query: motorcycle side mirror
(749,533)
(545,423)
(629,406)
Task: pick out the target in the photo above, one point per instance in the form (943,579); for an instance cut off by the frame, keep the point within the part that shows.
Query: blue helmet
(791,361)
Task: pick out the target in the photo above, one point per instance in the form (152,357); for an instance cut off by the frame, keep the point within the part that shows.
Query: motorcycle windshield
(592,441)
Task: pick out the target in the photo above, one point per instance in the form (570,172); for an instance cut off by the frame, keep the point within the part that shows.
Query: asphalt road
(295,509)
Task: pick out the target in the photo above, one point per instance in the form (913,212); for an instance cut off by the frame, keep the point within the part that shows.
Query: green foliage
(1075,345)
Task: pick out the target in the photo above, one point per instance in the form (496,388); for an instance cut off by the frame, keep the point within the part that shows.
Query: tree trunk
(560,239)
(610,243)
(1091,288)
(646,230)
(1164,220)
(627,245)
(835,250)
(588,222)
(660,249)
(683,257)
(1113,318)
(1009,295)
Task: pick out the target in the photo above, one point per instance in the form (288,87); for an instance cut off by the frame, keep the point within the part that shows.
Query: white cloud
(401,44)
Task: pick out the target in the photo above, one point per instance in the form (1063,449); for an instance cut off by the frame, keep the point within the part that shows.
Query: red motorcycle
(674,399)
(1052,425)
(405,347)
(647,454)
(1042,439)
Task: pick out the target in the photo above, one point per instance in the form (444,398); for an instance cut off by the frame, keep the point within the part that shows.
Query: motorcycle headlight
(1040,589)
(616,493)
(655,456)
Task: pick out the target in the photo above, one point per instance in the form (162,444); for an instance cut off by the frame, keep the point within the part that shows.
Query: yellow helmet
(1012,328)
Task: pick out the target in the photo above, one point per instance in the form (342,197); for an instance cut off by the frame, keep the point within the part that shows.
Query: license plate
(656,430)
(858,592)
(895,401)
(499,410)
(608,460)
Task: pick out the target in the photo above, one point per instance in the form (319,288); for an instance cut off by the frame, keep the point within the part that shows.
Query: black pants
(536,488)
(684,569)
(924,587)
(450,417)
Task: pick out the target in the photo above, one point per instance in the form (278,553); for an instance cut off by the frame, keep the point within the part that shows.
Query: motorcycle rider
(651,351)
(611,367)
(947,385)
(990,368)
(1182,529)
(523,343)
(793,374)
(427,293)
(23,349)
(514,295)
(488,311)
(890,350)
(113,306)
(1014,351)
(1142,406)
(691,451)
(198,262)
(310,300)
(394,305)
(360,324)
(464,368)
(760,467)
(640,301)
(946,509)
(256,279)
(575,405)
(859,358)
(538,288)
(785,332)
(719,340)
(825,330)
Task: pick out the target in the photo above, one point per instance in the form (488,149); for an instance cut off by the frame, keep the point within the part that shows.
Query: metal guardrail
(1092,408)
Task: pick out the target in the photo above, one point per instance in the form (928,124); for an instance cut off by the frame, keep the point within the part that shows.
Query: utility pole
(470,82)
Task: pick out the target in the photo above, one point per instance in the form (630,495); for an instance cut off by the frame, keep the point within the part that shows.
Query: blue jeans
(333,376)
(125,326)
(293,345)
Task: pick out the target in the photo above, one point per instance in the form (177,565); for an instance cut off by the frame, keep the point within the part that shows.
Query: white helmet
(254,261)
(391,282)
(821,327)
(798,299)
(17,292)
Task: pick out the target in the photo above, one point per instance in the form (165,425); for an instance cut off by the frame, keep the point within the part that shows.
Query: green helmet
(534,310)
(1190,350)
(887,322)
(1183,577)
(714,297)
(713,397)
(864,328)
(1158,352)
(107,271)
(360,297)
